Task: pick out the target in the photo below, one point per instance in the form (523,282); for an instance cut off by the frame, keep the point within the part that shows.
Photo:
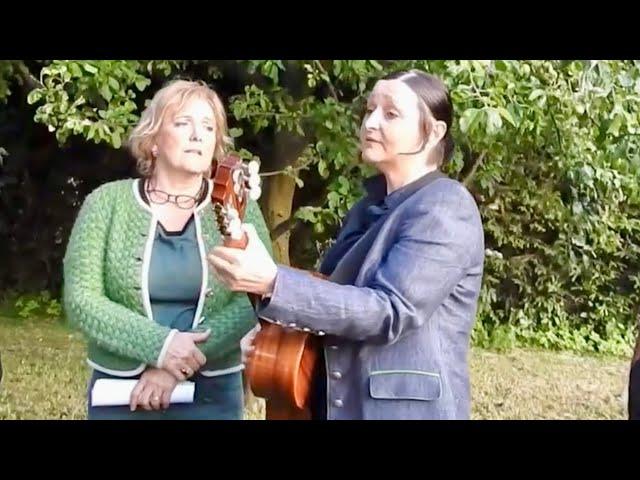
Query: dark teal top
(175,277)
(175,280)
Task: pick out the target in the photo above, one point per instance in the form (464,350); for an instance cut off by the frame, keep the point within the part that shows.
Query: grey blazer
(397,314)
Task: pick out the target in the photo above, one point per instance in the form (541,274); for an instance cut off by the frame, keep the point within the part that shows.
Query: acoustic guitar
(281,367)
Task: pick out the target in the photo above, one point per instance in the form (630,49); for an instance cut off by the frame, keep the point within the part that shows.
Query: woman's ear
(439,130)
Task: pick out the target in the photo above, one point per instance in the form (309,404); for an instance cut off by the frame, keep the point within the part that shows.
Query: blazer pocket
(405,385)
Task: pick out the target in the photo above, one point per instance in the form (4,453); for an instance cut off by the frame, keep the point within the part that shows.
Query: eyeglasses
(182,201)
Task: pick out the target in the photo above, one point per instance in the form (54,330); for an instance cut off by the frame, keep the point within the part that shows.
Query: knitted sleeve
(113,326)
(234,320)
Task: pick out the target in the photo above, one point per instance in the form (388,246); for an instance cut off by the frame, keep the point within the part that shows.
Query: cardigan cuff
(165,346)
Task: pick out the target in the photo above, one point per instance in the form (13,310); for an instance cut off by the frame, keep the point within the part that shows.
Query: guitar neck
(241,243)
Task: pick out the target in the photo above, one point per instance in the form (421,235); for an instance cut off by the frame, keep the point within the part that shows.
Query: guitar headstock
(234,183)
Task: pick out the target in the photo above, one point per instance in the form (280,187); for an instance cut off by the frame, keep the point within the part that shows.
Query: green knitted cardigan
(106,268)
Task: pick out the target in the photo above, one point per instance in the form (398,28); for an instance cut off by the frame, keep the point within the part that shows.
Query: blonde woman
(137,282)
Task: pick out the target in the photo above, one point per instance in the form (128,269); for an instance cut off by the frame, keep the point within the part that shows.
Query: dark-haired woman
(405,272)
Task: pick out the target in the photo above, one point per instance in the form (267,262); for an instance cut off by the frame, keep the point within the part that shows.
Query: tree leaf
(113,83)
(142,83)
(536,94)
(469,119)
(235,132)
(506,114)
(75,69)
(494,121)
(322,168)
(34,96)
(106,92)
(116,140)
(90,68)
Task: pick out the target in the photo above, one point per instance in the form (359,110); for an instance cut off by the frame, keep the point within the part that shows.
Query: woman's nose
(372,120)
(196,134)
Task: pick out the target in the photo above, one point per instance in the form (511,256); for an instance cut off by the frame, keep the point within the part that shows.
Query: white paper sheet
(115,392)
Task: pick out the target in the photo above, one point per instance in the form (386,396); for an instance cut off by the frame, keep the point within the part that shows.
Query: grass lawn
(45,377)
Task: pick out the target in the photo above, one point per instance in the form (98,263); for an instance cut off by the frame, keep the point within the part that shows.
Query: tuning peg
(254,193)
(232,214)
(253,167)
(254,181)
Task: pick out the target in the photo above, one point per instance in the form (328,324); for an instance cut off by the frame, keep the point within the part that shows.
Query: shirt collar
(376,188)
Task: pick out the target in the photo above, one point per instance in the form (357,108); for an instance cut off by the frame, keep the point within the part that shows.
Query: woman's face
(392,124)
(186,140)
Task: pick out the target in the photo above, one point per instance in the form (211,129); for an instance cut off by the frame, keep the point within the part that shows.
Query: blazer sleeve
(428,259)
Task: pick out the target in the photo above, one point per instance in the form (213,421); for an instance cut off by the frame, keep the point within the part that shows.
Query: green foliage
(94,99)
(38,306)
(558,195)
(549,149)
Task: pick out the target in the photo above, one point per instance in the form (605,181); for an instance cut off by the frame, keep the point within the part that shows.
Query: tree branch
(475,88)
(476,163)
(292,222)
(292,169)
(284,227)
(334,94)
(25,75)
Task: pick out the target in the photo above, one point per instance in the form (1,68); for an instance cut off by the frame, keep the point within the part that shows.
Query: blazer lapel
(350,265)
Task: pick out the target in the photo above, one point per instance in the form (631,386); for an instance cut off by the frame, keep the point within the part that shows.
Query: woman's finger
(145,397)
(134,399)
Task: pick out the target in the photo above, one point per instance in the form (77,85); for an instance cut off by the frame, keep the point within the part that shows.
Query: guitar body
(281,371)
(283,361)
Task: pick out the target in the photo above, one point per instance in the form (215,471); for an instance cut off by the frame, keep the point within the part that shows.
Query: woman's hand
(183,358)
(250,270)
(153,390)
(247,346)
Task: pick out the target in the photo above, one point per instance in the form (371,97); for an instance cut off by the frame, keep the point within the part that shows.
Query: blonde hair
(142,137)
